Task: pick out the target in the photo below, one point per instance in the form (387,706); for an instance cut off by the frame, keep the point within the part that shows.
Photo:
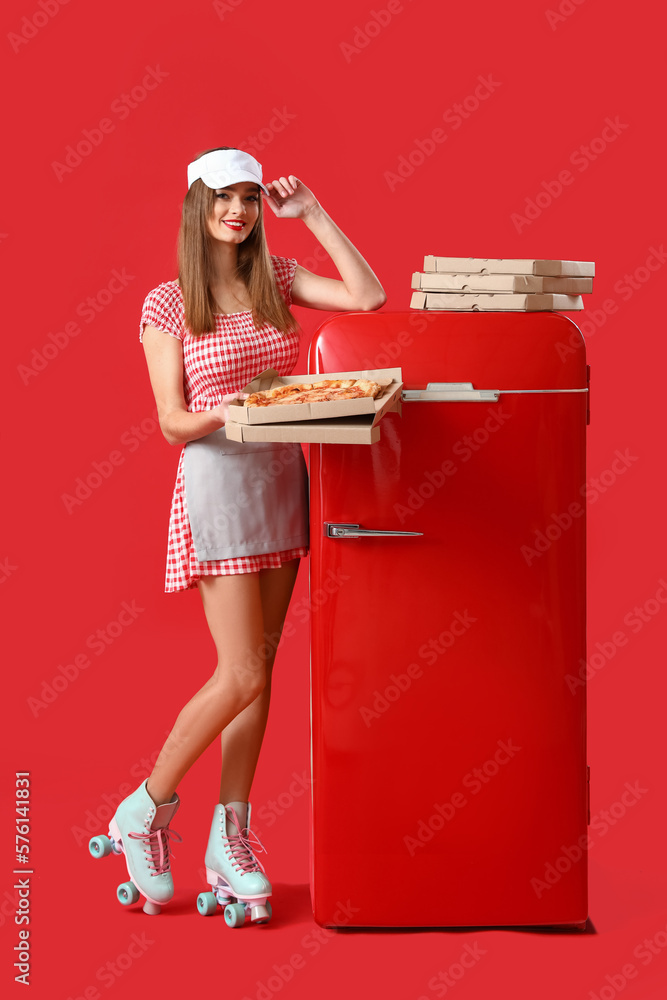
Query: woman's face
(235,212)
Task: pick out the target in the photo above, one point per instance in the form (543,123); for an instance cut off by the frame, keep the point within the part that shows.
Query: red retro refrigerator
(448,628)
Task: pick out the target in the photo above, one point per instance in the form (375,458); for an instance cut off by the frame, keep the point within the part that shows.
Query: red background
(352,102)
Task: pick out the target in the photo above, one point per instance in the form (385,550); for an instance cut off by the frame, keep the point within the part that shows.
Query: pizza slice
(332,383)
(367,387)
(326,390)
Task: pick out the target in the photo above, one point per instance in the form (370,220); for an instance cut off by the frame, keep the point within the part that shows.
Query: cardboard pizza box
(336,426)
(389,378)
(482,265)
(495,302)
(442,281)
(360,429)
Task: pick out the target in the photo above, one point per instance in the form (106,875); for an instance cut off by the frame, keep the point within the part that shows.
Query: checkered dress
(215,364)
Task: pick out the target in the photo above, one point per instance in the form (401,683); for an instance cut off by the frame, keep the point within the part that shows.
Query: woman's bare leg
(242,738)
(233,608)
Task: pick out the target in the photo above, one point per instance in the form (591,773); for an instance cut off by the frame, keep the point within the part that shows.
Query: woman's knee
(240,682)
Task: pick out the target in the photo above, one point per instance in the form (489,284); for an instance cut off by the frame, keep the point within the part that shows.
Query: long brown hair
(254,266)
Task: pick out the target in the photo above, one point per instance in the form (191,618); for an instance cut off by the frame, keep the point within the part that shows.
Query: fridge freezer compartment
(391,378)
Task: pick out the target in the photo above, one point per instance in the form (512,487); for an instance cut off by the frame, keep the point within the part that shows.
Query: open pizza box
(346,421)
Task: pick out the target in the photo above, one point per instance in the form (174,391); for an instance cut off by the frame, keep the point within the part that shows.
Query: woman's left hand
(290,198)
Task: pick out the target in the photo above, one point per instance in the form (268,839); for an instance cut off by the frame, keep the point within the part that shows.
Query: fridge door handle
(335,529)
(451,391)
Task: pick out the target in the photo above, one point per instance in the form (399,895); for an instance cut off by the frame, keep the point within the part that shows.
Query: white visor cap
(223,167)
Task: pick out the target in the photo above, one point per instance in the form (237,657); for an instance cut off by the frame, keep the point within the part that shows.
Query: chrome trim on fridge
(335,529)
(451,391)
(464,392)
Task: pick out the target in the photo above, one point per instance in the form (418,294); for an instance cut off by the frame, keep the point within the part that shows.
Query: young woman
(239,518)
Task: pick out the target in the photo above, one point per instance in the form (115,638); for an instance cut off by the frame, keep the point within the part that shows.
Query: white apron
(245,498)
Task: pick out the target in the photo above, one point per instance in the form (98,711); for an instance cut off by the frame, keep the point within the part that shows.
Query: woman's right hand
(221,411)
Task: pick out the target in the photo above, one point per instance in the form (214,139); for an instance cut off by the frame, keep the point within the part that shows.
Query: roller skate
(140,831)
(234,873)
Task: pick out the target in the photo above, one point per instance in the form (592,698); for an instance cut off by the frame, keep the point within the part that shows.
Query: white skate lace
(158,848)
(240,849)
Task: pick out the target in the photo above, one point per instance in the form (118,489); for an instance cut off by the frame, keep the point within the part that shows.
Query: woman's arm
(164,356)
(359,288)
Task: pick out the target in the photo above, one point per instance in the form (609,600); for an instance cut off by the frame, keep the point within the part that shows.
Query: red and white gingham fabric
(214,365)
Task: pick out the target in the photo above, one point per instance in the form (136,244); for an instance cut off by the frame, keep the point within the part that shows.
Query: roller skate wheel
(99,847)
(260,914)
(207,903)
(235,914)
(127,893)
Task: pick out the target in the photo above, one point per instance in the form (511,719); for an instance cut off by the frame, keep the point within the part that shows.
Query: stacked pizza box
(477,283)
